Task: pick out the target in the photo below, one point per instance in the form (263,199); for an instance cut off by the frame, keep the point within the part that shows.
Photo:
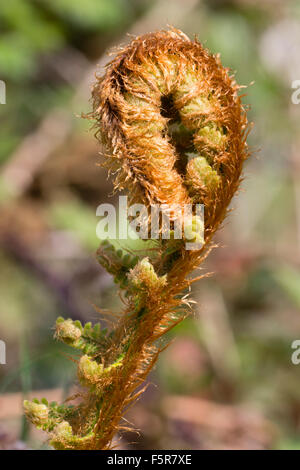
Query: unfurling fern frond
(175,130)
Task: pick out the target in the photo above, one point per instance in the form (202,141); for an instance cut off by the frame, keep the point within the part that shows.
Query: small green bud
(143,275)
(210,137)
(199,172)
(200,105)
(36,412)
(87,328)
(96,331)
(63,431)
(89,371)
(67,332)
(194,230)
(78,324)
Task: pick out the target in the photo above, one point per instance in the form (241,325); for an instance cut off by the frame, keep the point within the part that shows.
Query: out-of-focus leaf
(91,14)
(75,216)
(230,35)
(28,21)
(16,57)
(289,280)
(292,443)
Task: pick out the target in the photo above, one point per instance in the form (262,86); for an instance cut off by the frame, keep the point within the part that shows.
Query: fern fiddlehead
(175,129)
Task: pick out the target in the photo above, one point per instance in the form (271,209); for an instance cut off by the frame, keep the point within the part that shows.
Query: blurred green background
(227,381)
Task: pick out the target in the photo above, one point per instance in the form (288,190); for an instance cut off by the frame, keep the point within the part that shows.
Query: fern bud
(37,413)
(194,230)
(62,431)
(144,276)
(89,371)
(67,331)
(200,174)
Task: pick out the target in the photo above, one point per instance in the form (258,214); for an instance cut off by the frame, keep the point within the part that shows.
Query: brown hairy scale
(175,131)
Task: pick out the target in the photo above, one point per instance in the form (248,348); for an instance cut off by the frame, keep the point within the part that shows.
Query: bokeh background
(227,381)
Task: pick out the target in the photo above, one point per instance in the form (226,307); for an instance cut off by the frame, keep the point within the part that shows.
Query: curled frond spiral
(173,122)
